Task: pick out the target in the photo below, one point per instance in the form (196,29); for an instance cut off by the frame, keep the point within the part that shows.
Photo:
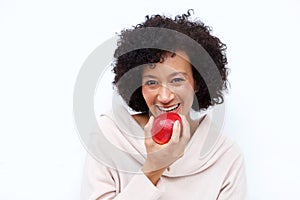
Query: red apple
(163,127)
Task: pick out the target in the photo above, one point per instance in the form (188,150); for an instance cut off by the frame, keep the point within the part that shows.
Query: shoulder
(233,171)
(230,156)
(230,148)
(224,154)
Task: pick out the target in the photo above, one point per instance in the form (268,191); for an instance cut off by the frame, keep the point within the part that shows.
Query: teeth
(168,109)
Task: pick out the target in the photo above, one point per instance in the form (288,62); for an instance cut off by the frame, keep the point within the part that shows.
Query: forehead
(179,62)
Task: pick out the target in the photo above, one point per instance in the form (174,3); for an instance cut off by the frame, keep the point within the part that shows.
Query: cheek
(147,95)
(187,93)
(144,93)
(188,88)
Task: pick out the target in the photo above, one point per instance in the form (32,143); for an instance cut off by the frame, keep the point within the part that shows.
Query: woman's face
(169,86)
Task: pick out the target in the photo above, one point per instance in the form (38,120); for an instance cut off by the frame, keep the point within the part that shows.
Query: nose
(165,95)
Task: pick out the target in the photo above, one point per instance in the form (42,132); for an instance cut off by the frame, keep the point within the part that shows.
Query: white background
(44,43)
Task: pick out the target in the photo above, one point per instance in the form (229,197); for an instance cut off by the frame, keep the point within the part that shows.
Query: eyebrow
(171,75)
(149,76)
(176,73)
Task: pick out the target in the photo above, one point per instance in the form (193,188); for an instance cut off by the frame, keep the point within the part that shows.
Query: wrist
(154,176)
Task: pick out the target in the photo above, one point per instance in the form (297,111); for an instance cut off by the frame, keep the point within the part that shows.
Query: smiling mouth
(169,109)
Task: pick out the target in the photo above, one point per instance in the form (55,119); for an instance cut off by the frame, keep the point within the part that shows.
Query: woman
(168,74)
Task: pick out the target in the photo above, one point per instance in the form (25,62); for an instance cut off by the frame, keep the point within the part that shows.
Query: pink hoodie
(112,170)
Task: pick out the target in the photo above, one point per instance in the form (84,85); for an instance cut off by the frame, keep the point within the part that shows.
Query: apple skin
(163,127)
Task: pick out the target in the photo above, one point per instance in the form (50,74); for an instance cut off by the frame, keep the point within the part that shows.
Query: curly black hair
(128,64)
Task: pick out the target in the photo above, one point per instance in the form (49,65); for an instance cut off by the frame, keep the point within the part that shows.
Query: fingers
(160,156)
(176,132)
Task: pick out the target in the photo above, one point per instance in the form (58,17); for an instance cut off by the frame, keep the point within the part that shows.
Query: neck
(141,119)
(194,123)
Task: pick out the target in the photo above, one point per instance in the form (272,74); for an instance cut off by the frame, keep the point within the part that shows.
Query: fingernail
(176,123)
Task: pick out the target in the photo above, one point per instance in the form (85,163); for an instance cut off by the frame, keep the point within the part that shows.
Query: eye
(177,80)
(151,82)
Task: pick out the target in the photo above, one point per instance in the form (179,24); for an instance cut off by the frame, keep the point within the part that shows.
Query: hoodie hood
(124,149)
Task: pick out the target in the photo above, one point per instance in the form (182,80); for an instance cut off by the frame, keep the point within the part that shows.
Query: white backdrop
(44,43)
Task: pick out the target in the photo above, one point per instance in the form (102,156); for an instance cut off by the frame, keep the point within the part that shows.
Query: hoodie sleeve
(234,185)
(99,182)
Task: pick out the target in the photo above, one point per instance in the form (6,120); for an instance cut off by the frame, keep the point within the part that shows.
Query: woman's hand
(160,157)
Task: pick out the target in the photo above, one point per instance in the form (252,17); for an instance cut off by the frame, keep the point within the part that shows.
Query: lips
(168,109)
